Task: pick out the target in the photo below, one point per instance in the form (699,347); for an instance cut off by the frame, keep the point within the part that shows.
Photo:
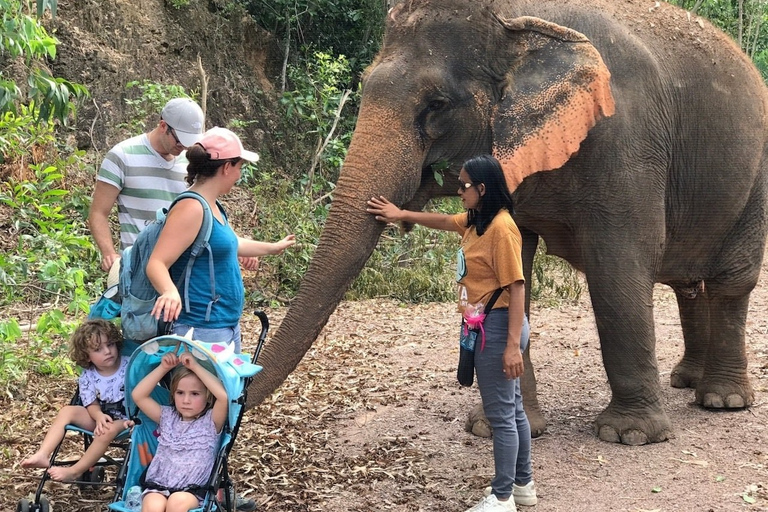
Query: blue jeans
(503,406)
(225,334)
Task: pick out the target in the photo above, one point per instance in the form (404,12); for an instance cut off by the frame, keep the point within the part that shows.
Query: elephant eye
(435,105)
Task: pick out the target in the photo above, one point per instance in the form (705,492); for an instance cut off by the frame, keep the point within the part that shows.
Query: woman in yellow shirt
(490,258)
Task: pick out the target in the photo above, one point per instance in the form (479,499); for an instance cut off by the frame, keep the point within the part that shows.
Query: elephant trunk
(347,241)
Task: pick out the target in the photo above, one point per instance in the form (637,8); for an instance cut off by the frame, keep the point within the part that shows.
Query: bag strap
(496,295)
(200,243)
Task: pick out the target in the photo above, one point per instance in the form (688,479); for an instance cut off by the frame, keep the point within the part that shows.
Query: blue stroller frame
(235,372)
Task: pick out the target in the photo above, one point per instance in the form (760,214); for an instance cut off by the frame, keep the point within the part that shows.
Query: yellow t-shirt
(492,261)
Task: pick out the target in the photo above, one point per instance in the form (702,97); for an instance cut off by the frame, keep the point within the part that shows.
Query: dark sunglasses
(465,186)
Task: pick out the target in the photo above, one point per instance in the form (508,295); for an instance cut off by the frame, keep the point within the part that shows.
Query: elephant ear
(558,88)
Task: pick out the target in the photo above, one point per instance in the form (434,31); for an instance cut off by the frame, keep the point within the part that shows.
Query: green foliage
(419,266)
(11,364)
(415,267)
(554,280)
(23,35)
(178,4)
(761,61)
(43,353)
(19,135)
(745,21)
(149,100)
(357,25)
(42,5)
(53,97)
(283,209)
(54,256)
(312,106)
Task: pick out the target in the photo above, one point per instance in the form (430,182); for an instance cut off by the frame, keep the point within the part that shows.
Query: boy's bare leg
(94,452)
(70,414)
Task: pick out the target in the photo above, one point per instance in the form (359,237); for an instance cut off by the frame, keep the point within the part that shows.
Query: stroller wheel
(82,482)
(45,505)
(97,476)
(23,505)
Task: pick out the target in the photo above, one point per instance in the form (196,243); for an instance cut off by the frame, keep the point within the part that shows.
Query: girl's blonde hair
(178,374)
(87,337)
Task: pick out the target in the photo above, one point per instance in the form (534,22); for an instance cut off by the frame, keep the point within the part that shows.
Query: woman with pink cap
(214,167)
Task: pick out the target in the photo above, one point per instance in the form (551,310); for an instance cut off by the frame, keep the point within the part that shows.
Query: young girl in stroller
(179,455)
(189,433)
(95,346)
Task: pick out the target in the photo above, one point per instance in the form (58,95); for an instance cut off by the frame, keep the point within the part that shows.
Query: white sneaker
(492,504)
(524,495)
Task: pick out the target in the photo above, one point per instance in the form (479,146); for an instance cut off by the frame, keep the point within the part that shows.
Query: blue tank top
(228,309)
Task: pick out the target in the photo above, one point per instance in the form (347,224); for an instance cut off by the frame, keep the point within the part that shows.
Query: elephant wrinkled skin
(635,142)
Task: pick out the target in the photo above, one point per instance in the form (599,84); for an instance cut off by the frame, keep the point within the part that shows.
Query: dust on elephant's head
(473,81)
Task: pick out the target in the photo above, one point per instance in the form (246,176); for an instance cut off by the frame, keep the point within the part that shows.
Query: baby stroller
(234,370)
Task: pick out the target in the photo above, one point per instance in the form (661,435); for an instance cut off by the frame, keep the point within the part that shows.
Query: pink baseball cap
(222,144)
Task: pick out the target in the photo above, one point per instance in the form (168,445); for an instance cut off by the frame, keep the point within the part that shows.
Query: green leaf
(656,489)
(749,499)
(42,5)
(438,177)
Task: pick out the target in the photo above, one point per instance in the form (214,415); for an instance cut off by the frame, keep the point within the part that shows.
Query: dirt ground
(373,420)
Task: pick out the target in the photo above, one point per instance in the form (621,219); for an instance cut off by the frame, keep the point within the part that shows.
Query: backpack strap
(201,243)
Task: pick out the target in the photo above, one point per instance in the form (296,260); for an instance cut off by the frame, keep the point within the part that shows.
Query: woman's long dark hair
(487,170)
(201,165)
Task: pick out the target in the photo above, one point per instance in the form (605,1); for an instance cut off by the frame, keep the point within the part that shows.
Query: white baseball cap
(186,118)
(222,144)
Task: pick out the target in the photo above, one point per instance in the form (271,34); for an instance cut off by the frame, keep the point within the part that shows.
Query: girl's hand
(383,210)
(169,361)
(512,362)
(167,306)
(188,360)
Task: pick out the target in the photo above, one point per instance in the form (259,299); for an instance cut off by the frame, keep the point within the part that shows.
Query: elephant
(634,137)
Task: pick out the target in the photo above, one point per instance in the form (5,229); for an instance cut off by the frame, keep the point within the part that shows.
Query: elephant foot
(686,375)
(725,394)
(536,420)
(477,423)
(615,425)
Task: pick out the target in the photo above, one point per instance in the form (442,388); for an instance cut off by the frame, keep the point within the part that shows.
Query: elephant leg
(624,315)
(694,319)
(528,380)
(724,383)
(530,396)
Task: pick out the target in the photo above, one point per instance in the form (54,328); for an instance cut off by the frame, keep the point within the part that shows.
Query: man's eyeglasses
(173,134)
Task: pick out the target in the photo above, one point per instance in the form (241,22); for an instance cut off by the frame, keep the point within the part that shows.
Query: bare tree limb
(203,86)
(696,6)
(321,148)
(284,71)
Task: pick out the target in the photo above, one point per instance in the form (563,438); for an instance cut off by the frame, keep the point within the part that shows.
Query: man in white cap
(143,174)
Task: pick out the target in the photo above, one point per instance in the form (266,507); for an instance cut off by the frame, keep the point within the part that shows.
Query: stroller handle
(262,336)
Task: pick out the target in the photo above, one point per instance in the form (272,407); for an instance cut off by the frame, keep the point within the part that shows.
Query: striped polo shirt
(146,182)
